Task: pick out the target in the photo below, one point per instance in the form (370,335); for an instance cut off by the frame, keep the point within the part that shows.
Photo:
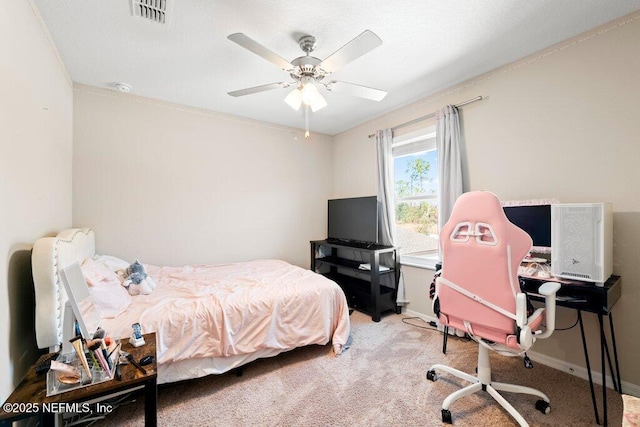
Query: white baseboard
(580,372)
(558,364)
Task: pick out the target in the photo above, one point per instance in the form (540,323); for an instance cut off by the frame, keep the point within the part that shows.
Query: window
(415,164)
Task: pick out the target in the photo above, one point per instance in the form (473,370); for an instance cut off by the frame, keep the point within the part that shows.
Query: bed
(208,319)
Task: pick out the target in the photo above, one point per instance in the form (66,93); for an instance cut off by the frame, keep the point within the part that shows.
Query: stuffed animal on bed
(136,280)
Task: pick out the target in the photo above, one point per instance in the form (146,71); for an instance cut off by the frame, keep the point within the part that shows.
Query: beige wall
(563,123)
(35,172)
(173,185)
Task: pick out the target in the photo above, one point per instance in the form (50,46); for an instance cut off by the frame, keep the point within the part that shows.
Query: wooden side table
(30,397)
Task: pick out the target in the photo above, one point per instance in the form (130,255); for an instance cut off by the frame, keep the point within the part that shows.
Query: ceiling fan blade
(357,90)
(256,89)
(255,47)
(357,47)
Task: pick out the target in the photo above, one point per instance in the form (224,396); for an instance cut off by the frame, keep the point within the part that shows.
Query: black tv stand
(361,284)
(355,244)
(337,241)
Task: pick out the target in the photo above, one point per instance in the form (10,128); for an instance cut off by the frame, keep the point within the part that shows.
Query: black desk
(583,296)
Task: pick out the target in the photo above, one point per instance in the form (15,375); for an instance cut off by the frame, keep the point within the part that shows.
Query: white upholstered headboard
(50,255)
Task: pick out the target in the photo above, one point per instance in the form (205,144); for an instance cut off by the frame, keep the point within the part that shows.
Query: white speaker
(582,241)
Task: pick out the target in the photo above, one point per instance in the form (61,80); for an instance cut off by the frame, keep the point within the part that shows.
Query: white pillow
(111,262)
(106,289)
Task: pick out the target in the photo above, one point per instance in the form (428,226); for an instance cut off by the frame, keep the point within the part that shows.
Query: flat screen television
(353,220)
(534,217)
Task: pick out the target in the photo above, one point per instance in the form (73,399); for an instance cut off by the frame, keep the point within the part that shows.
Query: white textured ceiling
(428,45)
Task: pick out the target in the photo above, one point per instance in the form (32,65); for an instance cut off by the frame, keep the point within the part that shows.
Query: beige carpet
(379,381)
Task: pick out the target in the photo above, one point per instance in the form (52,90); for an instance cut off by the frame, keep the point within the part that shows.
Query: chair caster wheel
(446,416)
(431,375)
(543,406)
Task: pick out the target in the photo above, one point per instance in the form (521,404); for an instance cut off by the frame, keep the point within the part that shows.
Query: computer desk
(584,296)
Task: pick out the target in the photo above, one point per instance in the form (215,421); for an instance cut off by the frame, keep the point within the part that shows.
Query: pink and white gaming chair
(478,292)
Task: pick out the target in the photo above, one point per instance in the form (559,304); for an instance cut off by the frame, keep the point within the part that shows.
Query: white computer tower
(582,241)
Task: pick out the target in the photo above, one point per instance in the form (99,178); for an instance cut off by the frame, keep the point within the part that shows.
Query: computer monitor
(534,217)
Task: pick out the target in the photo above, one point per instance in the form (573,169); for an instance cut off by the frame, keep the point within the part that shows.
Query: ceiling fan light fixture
(318,104)
(306,94)
(311,96)
(310,93)
(294,99)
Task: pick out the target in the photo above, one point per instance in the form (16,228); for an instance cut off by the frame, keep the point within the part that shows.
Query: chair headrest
(478,217)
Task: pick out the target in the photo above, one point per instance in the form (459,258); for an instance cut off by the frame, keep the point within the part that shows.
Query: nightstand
(30,397)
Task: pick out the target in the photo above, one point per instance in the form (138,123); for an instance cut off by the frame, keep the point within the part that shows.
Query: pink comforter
(216,311)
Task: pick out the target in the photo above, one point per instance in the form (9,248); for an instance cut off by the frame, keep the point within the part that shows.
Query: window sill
(420,261)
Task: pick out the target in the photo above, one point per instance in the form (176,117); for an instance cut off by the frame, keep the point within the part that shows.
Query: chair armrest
(548,290)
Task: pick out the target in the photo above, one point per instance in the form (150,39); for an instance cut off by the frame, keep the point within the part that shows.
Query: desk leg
(613,375)
(151,403)
(603,349)
(445,332)
(615,352)
(586,358)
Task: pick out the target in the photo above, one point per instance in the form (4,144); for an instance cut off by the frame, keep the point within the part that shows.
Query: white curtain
(449,163)
(384,141)
(449,168)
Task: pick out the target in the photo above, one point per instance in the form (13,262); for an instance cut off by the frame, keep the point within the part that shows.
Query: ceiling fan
(307,71)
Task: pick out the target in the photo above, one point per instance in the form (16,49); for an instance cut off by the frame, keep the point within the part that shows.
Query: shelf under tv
(363,287)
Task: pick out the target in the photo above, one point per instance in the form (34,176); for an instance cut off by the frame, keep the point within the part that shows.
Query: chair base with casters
(482,382)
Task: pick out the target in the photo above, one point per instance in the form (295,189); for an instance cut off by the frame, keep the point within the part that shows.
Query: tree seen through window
(416,202)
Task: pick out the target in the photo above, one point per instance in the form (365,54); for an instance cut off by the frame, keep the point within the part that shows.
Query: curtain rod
(428,116)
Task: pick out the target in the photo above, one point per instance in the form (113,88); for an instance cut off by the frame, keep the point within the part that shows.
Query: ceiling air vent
(151,10)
